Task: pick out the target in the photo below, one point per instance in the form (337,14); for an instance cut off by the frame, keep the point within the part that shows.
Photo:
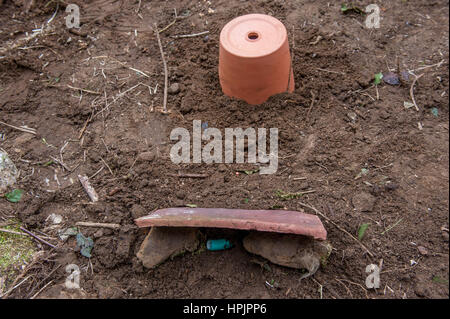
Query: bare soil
(404,195)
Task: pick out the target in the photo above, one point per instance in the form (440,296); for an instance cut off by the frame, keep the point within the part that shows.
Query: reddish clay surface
(278,221)
(254,58)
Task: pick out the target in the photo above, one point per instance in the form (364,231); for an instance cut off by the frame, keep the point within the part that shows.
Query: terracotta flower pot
(254,58)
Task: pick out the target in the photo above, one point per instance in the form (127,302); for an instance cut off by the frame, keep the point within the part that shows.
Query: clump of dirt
(93,95)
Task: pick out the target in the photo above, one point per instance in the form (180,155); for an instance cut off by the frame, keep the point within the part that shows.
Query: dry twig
(181,175)
(166,74)
(37,237)
(337,226)
(101,225)
(411,91)
(22,128)
(189,35)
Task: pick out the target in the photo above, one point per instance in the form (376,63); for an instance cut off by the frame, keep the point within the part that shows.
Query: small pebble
(352,116)
(422,250)
(174,88)
(391,78)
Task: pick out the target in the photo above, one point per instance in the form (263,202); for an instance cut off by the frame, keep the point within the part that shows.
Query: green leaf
(48,163)
(246,200)
(191,205)
(362,230)
(64,234)
(435,111)
(86,252)
(14,196)
(85,244)
(378,78)
(344,7)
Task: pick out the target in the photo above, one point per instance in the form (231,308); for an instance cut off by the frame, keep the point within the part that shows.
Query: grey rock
(174,88)
(8,172)
(352,116)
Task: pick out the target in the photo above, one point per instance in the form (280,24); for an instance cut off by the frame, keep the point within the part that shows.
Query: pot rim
(238,53)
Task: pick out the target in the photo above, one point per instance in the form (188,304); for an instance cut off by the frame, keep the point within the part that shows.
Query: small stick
(398,71)
(101,225)
(61,163)
(172,23)
(6,224)
(139,7)
(189,175)
(48,276)
(429,66)
(346,288)
(19,233)
(107,166)
(37,237)
(40,290)
(83,90)
(168,26)
(12,289)
(26,130)
(313,98)
(411,91)
(330,71)
(390,227)
(83,128)
(166,75)
(85,125)
(189,35)
(320,287)
(356,284)
(84,180)
(337,226)
(12,232)
(96,173)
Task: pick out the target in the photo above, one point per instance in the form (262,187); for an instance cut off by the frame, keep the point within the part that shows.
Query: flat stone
(289,250)
(162,243)
(422,250)
(278,221)
(363,202)
(146,156)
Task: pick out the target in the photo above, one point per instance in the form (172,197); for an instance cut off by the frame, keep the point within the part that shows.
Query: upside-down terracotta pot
(254,58)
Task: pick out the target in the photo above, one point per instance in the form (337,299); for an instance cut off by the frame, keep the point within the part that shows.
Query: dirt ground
(368,158)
